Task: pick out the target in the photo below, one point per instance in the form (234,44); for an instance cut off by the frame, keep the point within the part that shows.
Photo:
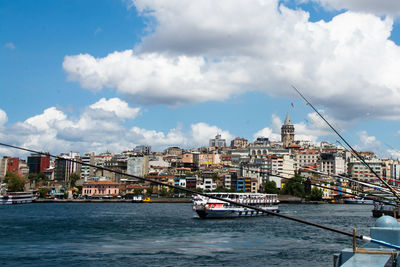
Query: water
(128,234)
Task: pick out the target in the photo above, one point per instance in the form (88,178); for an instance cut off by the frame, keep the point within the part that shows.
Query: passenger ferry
(16,198)
(207,207)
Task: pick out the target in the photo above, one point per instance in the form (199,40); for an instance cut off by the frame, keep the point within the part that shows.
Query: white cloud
(310,130)
(3,117)
(100,127)
(201,133)
(370,143)
(394,153)
(383,7)
(116,105)
(347,64)
(10,46)
(46,120)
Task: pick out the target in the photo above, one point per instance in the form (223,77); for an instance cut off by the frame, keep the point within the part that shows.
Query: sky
(107,75)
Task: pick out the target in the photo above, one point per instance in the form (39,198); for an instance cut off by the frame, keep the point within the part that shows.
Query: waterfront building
(191,182)
(391,171)
(331,163)
(87,171)
(357,170)
(207,184)
(64,167)
(217,142)
(100,189)
(240,185)
(38,163)
(3,167)
(287,132)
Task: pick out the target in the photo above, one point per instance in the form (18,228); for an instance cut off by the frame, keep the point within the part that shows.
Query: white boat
(16,198)
(207,207)
(359,200)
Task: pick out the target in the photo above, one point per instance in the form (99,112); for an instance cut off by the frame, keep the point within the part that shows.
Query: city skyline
(110,75)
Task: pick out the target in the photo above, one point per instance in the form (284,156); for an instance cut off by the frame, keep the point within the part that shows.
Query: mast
(351,148)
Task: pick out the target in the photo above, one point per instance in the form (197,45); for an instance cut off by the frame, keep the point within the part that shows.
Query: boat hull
(16,198)
(359,201)
(232,213)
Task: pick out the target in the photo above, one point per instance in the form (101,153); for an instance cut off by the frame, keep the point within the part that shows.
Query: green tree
(43,192)
(316,194)
(270,187)
(294,186)
(137,191)
(163,192)
(215,176)
(79,187)
(73,177)
(149,191)
(15,183)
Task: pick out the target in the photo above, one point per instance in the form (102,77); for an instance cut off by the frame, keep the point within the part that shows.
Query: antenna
(351,148)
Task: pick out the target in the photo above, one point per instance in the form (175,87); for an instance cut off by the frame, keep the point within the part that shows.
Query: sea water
(150,234)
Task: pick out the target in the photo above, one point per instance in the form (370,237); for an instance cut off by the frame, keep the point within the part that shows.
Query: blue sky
(109,75)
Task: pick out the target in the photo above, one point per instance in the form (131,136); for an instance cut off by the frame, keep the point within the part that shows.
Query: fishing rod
(373,196)
(348,179)
(367,174)
(340,176)
(368,195)
(352,149)
(358,236)
(343,177)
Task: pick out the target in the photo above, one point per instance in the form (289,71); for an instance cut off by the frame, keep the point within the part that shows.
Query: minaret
(287,132)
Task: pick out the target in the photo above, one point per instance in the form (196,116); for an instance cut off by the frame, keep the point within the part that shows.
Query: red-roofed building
(100,188)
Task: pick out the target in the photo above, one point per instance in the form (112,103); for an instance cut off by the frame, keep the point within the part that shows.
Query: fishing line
(344,140)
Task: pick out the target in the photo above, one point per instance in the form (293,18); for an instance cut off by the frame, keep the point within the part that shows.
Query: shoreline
(286,199)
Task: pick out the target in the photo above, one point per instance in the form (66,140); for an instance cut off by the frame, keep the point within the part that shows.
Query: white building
(87,171)
(332,164)
(217,141)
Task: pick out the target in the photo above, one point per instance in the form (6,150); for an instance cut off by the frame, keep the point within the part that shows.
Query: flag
(292,105)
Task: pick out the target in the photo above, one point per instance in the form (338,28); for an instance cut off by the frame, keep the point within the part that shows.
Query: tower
(287,132)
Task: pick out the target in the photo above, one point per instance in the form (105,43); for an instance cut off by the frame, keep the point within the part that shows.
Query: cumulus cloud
(371,143)
(348,64)
(384,7)
(393,153)
(3,117)
(100,127)
(117,106)
(201,133)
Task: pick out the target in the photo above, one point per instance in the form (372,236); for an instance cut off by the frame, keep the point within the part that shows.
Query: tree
(15,183)
(43,192)
(163,192)
(215,176)
(73,177)
(316,194)
(295,186)
(137,191)
(149,191)
(270,187)
(37,177)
